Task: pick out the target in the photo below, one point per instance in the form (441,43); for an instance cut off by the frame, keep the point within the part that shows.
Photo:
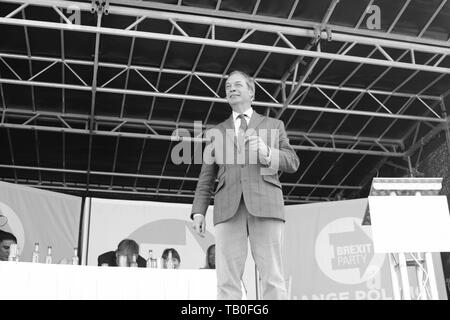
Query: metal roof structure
(92,92)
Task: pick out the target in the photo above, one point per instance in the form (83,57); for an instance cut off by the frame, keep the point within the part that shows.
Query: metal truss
(107,189)
(282,31)
(168,131)
(57,5)
(214,97)
(291,89)
(157,177)
(356,30)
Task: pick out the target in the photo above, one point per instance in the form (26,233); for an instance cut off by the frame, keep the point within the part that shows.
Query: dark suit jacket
(259,185)
(110,258)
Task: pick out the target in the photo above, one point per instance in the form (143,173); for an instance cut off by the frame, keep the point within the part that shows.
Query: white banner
(155,226)
(34,215)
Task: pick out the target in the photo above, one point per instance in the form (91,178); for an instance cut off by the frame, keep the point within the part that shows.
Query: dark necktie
(241,132)
(243,125)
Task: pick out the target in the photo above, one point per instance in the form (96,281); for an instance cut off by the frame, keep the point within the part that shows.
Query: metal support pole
(94,94)
(431,275)
(410,167)
(447,126)
(394,276)
(421,280)
(406,293)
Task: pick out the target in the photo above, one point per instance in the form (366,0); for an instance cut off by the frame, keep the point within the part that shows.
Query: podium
(409,221)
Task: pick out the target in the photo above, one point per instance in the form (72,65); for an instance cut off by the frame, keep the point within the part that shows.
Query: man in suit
(247,151)
(126,247)
(6,240)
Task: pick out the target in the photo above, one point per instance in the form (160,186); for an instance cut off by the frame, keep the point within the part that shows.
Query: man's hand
(256,144)
(199,225)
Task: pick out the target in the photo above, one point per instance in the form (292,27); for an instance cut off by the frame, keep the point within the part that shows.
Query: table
(30,281)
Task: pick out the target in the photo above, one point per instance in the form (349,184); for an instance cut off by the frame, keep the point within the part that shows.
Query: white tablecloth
(23,280)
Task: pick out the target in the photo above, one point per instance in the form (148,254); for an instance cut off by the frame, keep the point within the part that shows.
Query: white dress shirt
(237,122)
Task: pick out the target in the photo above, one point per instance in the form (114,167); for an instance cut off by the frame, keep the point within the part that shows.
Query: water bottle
(35,256)
(133,263)
(75,259)
(48,257)
(169,261)
(150,259)
(12,252)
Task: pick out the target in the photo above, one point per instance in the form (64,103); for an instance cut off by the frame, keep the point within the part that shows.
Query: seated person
(210,257)
(176,260)
(126,247)
(446,264)
(6,240)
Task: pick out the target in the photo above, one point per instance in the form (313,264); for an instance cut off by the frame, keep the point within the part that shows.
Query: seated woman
(176,260)
(210,257)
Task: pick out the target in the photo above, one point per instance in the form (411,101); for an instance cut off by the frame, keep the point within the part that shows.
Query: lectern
(409,221)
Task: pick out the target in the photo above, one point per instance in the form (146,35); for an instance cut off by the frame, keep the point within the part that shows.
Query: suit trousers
(266,242)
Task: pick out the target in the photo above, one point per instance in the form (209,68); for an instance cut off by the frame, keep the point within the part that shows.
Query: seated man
(126,247)
(6,240)
(176,260)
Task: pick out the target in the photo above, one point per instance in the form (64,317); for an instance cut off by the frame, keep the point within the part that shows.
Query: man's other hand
(199,225)
(257,145)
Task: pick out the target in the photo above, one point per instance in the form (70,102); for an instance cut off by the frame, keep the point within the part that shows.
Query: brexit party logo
(344,251)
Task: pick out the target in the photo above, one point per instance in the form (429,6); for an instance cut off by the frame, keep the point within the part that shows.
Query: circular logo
(3,220)
(344,251)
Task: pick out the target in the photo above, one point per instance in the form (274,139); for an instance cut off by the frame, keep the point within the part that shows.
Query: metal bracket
(329,34)
(100,6)
(318,32)
(303,63)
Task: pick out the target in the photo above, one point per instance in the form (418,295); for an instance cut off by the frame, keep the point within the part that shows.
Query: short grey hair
(249,80)
(128,245)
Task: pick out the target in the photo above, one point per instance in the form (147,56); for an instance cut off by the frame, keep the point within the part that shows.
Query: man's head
(6,240)
(211,256)
(240,90)
(127,247)
(176,260)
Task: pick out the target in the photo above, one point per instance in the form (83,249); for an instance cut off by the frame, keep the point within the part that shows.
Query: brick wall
(435,162)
